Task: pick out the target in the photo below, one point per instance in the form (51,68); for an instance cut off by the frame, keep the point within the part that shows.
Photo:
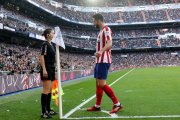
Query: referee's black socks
(48,103)
(44,102)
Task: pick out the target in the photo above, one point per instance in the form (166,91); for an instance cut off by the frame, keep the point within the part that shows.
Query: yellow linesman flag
(55,91)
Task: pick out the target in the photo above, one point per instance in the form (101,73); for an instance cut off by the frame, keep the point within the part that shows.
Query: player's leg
(109,91)
(99,93)
(44,98)
(101,81)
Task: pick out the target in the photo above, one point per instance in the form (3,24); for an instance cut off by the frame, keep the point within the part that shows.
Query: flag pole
(59,81)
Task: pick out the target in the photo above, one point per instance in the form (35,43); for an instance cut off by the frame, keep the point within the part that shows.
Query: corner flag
(55,92)
(58,40)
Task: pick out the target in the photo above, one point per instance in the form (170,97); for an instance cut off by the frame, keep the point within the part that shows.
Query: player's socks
(43,102)
(99,94)
(110,93)
(117,104)
(97,106)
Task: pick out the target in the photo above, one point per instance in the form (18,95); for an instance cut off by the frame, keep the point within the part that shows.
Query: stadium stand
(144,69)
(115,3)
(122,38)
(19,60)
(112,17)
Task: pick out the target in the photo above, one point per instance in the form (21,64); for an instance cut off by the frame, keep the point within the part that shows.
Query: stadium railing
(19,82)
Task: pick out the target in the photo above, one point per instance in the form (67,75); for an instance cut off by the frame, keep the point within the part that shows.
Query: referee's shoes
(52,112)
(45,116)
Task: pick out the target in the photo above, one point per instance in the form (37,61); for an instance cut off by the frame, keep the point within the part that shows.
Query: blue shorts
(101,70)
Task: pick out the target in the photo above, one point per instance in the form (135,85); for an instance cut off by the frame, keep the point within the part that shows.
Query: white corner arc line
(105,111)
(113,115)
(89,99)
(127,117)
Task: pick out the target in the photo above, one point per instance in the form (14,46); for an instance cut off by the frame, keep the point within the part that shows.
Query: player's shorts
(101,70)
(50,71)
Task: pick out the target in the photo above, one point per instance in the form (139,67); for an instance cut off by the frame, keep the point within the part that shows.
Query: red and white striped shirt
(104,35)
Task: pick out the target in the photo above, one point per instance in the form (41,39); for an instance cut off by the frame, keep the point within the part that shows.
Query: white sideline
(83,103)
(124,117)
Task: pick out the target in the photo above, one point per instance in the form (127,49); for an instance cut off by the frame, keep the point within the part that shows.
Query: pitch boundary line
(92,97)
(128,117)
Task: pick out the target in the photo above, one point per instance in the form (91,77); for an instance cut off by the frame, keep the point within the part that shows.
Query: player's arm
(108,43)
(107,46)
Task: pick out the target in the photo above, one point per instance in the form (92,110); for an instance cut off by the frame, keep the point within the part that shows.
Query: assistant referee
(47,61)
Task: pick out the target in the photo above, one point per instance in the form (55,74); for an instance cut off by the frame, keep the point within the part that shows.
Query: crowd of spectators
(16,59)
(21,59)
(112,17)
(121,33)
(134,43)
(20,22)
(81,43)
(123,39)
(156,15)
(14,20)
(75,61)
(146,59)
(174,14)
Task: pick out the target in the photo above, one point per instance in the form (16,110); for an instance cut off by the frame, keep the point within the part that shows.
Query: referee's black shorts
(50,73)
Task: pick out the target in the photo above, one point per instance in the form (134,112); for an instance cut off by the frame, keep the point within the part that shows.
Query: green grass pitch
(143,92)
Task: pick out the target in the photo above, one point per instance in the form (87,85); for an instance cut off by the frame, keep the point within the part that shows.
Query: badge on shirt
(108,33)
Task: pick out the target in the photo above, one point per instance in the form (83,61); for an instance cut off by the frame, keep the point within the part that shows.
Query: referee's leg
(44,98)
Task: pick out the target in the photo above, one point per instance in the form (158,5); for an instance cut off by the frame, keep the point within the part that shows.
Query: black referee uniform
(49,52)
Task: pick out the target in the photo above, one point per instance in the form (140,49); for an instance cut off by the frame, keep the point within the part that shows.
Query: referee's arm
(43,52)
(42,62)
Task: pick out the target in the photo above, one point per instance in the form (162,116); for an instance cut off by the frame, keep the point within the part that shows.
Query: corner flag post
(59,81)
(58,40)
